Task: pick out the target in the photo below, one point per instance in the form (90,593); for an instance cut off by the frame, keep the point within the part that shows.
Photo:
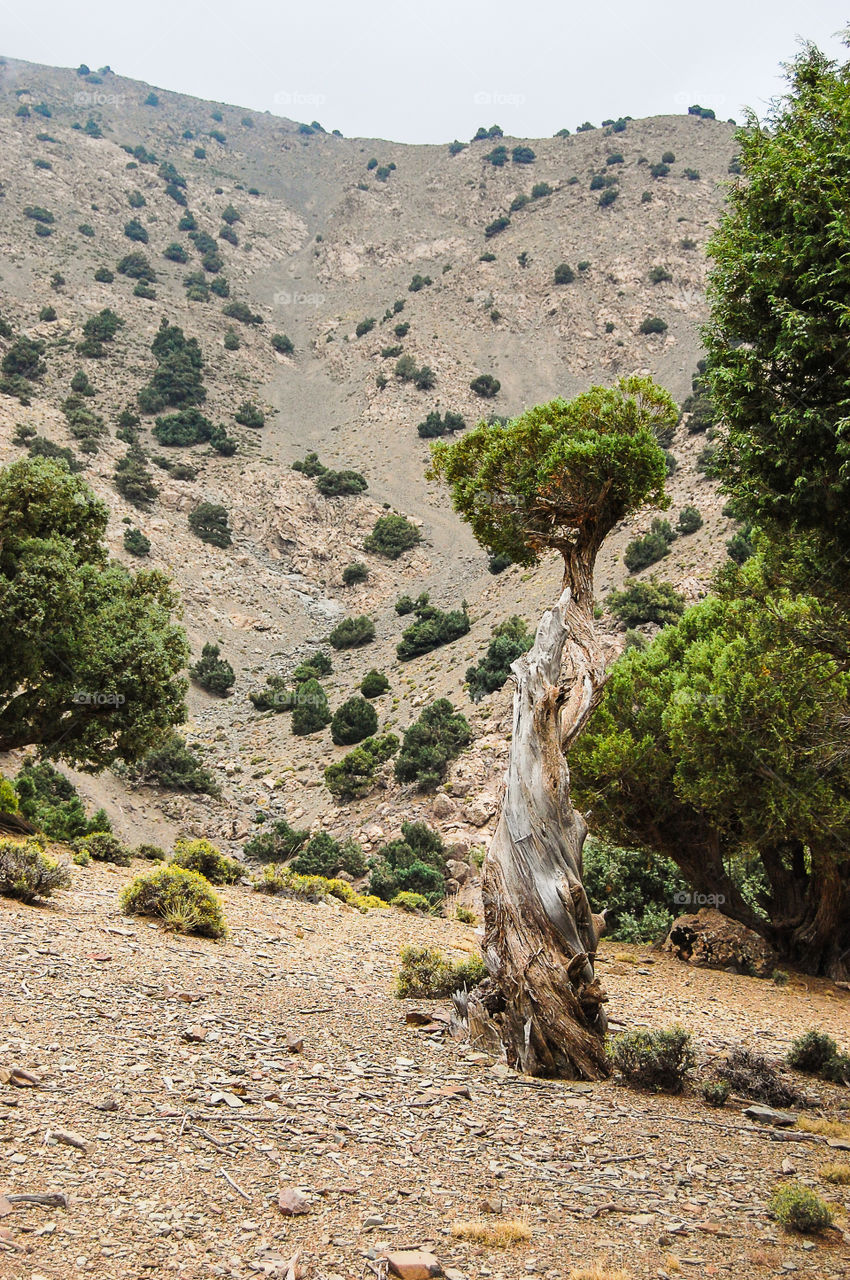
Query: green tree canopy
(90,668)
(560,472)
(779,355)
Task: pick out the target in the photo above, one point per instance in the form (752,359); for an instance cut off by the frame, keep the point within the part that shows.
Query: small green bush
(716,1092)
(608,196)
(212,672)
(340,484)
(278,843)
(365,326)
(104,276)
(797,1208)
(509,640)
(658,1060)
(183,900)
(432,629)
(486,386)
(103,846)
(689,520)
(309,466)
(391,536)
(355,775)
(564,274)
(310,710)
(250,415)
(419,282)
(354,573)
(175,766)
(203,857)
(355,720)
(353,632)
(282,344)
(430,744)
(50,802)
(413,902)
(373,684)
(496,226)
(209,523)
(322,855)
(27,873)
(652,547)
(656,602)
(652,324)
(428,973)
(149,852)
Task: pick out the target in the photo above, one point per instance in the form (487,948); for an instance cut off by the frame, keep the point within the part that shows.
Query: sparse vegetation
(656,1060)
(428,973)
(27,873)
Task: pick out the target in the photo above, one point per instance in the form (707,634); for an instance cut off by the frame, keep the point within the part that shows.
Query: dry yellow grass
(497,1235)
(597,1272)
(838,1174)
(829,1128)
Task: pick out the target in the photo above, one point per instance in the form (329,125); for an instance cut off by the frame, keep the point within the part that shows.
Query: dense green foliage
(183,900)
(433,627)
(557,465)
(351,633)
(642,602)
(203,857)
(391,536)
(430,745)
(355,720)
(212,672)
(208,521)
(175,766)
(355,774)
(50,802)
(414,863)
(636,887)
(90,670)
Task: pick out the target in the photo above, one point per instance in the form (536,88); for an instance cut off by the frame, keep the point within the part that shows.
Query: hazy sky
(434,71)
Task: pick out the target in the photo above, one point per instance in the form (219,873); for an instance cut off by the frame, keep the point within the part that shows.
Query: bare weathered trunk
(540,940)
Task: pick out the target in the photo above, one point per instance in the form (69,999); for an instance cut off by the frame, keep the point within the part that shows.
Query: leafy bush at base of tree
(211,863)
(212,672)
(637,889)
(428,973)
(430,745)
(355,775)
(355,720)
(391,536)
(657,1060)
(510,639)
(27,873)
(183,900)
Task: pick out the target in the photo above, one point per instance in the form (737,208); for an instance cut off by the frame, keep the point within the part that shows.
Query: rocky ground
(186,1095)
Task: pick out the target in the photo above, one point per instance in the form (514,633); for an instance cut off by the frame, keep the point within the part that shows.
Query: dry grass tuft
(829,1128)
(597,1271)
(496,1235)
(838,1174)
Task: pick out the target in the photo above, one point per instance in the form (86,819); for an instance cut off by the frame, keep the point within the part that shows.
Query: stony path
(175,1068)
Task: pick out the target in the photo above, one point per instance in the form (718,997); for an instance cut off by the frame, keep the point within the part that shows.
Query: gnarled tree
(557,478)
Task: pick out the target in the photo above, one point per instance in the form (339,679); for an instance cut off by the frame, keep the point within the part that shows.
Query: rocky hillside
(449,259)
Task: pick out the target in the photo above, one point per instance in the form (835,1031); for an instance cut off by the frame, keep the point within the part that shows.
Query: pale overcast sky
(437,70)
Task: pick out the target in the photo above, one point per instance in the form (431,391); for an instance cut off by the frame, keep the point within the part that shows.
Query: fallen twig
(234,1185)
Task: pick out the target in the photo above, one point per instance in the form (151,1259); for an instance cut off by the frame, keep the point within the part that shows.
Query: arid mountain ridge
(324,243)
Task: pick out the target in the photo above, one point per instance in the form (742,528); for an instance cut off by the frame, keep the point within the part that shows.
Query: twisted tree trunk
(542,996)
